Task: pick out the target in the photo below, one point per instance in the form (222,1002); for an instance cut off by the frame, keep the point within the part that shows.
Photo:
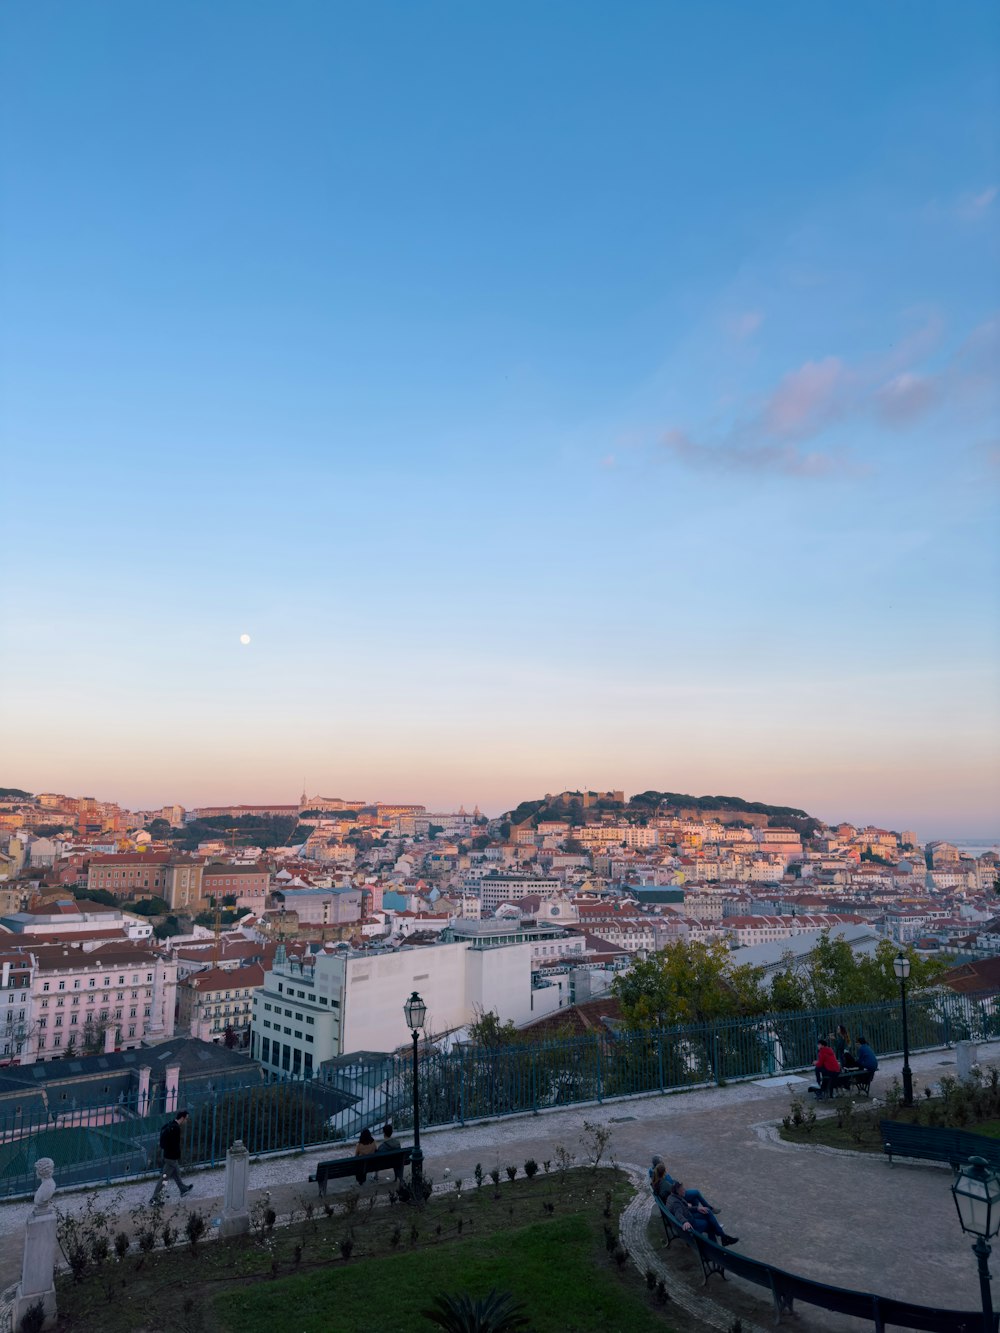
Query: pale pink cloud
(806,399)
(820,394)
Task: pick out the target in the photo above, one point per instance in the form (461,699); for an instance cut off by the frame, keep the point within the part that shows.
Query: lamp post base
(982,1252)
(417,1175)
(907,1086)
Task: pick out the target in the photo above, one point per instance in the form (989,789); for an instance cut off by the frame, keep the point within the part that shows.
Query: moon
(244,639)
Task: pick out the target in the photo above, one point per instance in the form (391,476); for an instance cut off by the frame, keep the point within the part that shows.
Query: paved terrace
(846,1219)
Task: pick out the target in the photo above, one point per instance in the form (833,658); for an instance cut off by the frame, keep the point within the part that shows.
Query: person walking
(170,1146)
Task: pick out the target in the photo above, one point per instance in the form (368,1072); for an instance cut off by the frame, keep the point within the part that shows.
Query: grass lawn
(543,1240)
(558,1268)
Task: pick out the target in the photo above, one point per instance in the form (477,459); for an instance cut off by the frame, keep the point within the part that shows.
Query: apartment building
(16,1023)
(130,874)
(496,888)
(248,884)
(209,1003)
(337,1002)
(105,996)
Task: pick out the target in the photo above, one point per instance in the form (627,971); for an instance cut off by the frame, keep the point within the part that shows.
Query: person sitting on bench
(364,1147)
(826,1064)
(867,1059)
(390,1144)
(843,1048)
(691,1218)
(662,1182)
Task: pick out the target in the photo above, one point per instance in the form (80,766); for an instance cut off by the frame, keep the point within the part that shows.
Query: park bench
(675,1231)
(848,1080)
(932,1144)
(786,1288)
(361,1167)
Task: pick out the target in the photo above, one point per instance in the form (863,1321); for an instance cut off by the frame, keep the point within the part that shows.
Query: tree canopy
(699,983)
(689,983)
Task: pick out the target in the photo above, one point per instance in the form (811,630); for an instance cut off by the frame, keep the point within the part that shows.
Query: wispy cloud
(892,388)
(973,206)
(743,324)
(786,460)
(905,398)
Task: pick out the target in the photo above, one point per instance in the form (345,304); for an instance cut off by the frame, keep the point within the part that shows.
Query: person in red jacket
(826,1062)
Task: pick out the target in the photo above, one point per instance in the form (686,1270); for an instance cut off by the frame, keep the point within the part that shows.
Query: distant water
(976,846)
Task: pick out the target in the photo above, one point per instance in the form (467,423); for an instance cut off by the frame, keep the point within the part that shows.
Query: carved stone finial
(46,1185)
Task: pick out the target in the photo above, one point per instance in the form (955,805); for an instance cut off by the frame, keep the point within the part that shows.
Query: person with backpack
(170,1146)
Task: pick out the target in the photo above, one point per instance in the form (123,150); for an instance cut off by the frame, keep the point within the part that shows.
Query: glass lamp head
(415,1011)
(976,1192)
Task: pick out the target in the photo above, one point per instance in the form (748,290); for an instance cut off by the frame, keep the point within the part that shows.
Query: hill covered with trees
(588,807)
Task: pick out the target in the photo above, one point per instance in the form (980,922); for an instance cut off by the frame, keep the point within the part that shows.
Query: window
(62,985)
(76,984)
(92,982)
(265,1050)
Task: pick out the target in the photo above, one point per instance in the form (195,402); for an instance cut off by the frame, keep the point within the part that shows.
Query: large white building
(341,1001)
(496,888)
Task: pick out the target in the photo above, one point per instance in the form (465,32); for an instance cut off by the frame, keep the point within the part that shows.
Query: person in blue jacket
(865,1056)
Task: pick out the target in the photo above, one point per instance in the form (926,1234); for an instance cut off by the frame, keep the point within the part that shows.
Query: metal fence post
(600,1088)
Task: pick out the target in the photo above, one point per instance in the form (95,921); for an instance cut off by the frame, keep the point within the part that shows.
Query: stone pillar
(38,1264)
(154,1027)
(235,1210)
(142,1101)
(172,1078)
(110,1033)
(966,1055)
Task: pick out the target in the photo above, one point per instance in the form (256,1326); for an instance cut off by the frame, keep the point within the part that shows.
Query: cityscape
(447,447)
(523,915)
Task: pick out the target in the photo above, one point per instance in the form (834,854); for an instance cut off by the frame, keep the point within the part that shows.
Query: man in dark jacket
(690,1217)
(170,1146)
(867,1059)
(390,1144)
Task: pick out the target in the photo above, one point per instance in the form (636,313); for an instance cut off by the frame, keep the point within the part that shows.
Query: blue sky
(557,394)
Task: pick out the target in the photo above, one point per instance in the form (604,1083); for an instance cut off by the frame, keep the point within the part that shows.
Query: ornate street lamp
(416,1011)
(977,1197)
(901,967)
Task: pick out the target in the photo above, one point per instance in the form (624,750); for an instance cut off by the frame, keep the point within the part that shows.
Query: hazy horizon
(451,803)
